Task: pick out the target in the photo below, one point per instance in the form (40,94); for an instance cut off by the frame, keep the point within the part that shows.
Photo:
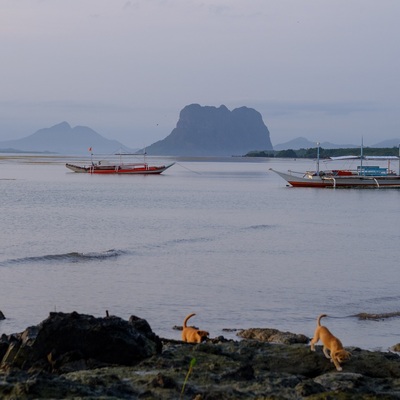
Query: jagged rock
(212,131)
(376,317)
(2,316)
(272,335)
(341,382)
(76,341)
(224,369)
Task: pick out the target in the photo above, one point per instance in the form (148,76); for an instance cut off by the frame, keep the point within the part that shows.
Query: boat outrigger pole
(317,158)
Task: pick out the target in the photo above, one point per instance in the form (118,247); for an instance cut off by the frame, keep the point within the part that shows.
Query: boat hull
(351,181)
(135,169)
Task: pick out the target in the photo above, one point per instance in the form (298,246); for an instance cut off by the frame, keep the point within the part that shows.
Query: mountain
(61,138)
(303,143)
(388,143)
(212,131)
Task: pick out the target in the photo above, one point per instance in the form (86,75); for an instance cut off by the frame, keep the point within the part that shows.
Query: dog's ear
(345,353)
(342,355)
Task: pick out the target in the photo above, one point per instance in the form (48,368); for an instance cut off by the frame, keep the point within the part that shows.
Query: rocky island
(82,357)
(214,131)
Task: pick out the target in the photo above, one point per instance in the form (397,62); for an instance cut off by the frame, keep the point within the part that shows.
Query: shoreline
(80,356)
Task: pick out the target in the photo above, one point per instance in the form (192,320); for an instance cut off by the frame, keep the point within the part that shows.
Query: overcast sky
(327,70)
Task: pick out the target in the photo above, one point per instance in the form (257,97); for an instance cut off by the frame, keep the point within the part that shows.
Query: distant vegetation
(324,153)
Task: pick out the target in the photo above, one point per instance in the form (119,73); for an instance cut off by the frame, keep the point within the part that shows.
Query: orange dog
(192,335)
(337,353)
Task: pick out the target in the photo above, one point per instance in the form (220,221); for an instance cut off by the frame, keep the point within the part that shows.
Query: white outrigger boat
(362,177)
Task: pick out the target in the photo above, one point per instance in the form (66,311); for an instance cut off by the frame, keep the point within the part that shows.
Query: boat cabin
(372,170)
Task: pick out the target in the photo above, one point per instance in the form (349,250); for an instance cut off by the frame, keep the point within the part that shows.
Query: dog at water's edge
(337,354)
(193,335)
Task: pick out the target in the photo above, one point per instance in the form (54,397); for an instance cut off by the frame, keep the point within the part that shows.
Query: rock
(223,369)
(341,382)
(376,317)
(272,335)
(2,316)
(77,341)
(212,131)
(163,381)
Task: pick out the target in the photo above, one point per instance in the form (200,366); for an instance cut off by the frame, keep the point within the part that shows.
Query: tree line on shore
(324,153)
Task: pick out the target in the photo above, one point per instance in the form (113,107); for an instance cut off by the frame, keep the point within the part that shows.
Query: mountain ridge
(62,138)
(209,127)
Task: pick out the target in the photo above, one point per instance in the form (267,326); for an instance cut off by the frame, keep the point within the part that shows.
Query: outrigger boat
(361,177)
(108,167)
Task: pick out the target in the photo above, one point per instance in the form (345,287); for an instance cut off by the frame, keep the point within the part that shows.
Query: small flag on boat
(90,149)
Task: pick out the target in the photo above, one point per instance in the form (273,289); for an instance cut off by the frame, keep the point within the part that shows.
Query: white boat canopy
(365,158)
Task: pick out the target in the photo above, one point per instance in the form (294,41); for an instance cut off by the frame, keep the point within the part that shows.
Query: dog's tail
(186,319)
(319,319)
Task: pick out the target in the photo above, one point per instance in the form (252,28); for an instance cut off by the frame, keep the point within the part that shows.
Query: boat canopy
(345,158)
(365,158)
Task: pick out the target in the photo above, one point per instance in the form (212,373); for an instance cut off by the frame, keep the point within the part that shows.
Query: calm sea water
(224,238)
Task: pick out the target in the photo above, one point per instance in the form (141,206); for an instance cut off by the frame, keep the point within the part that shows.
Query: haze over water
(224,238)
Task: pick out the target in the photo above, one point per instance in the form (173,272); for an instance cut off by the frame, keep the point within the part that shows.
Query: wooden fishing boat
(105,168)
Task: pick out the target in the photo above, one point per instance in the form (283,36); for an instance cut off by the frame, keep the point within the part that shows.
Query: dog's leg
(325,351)
(314,340)
(337,365)
(336,361)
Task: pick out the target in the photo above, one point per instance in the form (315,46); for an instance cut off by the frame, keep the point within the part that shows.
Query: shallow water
(224,238)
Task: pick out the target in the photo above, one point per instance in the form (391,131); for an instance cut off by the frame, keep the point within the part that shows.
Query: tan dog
(337,353)
(192,335)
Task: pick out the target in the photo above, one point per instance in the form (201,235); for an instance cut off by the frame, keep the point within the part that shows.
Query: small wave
(260,227)
(192,240)
(384,299)
(73,257)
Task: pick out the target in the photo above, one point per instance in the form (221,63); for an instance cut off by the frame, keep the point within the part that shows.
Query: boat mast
(317,158)
(361,155)
(399,158)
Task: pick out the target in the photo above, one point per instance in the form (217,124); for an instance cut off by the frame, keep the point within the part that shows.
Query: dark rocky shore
(75,356)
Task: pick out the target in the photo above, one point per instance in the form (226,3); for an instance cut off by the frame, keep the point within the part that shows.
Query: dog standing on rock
(193,335)
(337,354)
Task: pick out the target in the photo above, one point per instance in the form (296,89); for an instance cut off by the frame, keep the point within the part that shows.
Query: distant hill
(303,143)
(63,139)
(388,143)
(212,131)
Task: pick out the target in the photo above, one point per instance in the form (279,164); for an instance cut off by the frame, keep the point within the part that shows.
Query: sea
(224,238)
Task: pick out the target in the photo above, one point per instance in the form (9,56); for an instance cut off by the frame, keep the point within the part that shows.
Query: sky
(327,70)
